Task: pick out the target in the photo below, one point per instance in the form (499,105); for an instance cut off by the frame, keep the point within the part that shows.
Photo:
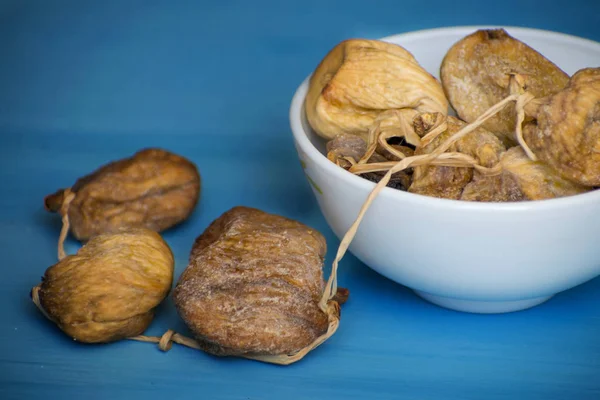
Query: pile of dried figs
(253,288)
(523,130)
(108,290)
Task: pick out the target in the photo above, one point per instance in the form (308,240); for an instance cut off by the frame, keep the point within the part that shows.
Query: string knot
(166,340)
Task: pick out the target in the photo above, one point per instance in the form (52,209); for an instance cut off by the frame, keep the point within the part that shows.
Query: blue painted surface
(82,83)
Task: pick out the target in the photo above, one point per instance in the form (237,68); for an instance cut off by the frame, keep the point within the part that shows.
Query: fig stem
(52,202)
(35,297)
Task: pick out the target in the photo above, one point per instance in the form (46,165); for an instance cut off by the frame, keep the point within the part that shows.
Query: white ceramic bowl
(474,257)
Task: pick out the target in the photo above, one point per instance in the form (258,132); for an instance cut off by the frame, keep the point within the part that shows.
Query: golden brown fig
(153,189)
(566,131)
(358,79)
(253,285)
(109,289)
(476,73)
(448,182)
(520,179)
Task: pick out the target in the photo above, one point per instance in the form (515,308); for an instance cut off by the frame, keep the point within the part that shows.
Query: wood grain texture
(84,83)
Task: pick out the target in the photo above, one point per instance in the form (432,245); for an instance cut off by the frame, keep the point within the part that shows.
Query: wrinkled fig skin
(565,132)
(358,79)
(346,145)
(449,182)
(109,289)
(154,189)
(501,188)
(253,285)
(521,179)
(476,72)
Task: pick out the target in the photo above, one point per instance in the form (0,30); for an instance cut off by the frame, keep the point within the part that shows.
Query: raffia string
(331,286)
(332,310)
(405,117)
(516,84)
(165,342)
(452,159)
(383,141)
(64,231)
(169,337)
(350,160)
(374,132)
(520,107)
(379,135)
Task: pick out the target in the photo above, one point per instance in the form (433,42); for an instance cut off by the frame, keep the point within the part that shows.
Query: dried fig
(476,74)
(253,287)
(399,181)
(501,188)
(359,79)
(520,179)
(153,189)
(109,289)
(448,181)
(565,132)
(346,149)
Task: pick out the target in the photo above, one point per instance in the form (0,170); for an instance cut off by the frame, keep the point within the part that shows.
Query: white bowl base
(482,307)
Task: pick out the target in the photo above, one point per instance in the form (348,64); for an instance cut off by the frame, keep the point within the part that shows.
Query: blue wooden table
(82,83)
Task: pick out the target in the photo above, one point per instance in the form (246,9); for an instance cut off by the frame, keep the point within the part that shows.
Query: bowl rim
(296,112)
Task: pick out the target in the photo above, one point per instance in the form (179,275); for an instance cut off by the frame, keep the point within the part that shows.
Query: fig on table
(108,290)
(153,189)
(253,287)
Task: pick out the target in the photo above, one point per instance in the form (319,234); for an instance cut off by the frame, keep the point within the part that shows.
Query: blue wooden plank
(85,82)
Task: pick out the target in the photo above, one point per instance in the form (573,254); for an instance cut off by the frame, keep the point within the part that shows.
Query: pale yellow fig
(359,79)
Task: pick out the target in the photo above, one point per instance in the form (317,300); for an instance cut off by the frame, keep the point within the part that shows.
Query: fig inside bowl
(466,256)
